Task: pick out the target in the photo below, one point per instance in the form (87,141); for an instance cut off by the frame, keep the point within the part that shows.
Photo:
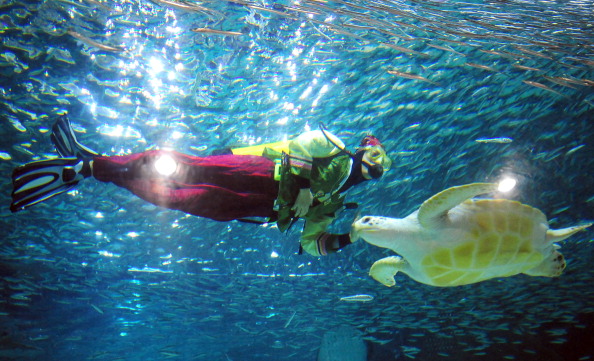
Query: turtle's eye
(366,220)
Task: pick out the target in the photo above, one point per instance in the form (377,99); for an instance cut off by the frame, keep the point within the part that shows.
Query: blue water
(97,274)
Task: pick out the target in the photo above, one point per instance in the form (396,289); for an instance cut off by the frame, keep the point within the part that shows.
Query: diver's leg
(242,173)
(239,173)
(218,187)
(205,200)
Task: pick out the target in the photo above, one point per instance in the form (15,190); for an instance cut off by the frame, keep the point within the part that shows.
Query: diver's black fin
(65,141)
(37,181)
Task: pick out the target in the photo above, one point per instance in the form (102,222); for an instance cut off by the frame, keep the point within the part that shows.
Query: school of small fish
(458,91)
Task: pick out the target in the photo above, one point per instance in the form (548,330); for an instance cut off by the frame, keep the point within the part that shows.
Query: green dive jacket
(311,156)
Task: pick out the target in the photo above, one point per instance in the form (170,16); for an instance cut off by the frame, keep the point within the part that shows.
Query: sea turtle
(453,240)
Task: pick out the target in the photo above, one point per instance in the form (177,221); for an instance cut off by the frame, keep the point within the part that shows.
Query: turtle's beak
(367,229)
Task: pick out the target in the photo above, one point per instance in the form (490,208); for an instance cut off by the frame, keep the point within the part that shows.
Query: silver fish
(94,43)
(501,140)
(357,298)
(217,32)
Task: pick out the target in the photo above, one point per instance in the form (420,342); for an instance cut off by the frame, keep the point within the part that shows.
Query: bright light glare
(507,184)
(177,135)
(166,165)
(155,66)
(174,29)
(274,254)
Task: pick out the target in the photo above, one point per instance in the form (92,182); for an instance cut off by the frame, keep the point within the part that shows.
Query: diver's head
(375,161)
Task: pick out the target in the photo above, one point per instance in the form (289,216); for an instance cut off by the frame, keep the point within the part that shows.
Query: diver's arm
(310,145)
(315,144)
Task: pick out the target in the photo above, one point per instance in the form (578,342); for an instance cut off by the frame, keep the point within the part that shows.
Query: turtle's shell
(501,238)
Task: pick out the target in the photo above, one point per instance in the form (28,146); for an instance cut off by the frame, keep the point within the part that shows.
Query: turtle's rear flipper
(552,266)
(556,235)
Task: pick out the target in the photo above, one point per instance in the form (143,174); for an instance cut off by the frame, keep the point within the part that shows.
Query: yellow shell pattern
(500,243)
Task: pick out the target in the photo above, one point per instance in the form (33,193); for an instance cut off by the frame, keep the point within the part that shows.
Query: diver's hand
(303,202)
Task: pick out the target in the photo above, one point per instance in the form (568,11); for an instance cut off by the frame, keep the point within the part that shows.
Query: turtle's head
(378,231)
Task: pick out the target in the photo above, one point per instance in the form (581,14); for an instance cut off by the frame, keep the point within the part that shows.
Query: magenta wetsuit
(220,187)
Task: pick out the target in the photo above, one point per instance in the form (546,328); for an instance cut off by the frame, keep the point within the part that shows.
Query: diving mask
(377,154)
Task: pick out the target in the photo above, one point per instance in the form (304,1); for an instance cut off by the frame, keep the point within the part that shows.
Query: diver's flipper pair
(65,141)
(37,181)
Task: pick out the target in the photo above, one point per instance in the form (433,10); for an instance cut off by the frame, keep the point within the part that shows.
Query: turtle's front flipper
(385,269)
(443,201)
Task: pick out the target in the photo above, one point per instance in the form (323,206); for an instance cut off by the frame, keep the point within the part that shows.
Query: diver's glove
(343,240)
(330,243)
(303,202)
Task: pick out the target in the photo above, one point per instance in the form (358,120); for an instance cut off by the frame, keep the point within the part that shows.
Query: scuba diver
(306,177)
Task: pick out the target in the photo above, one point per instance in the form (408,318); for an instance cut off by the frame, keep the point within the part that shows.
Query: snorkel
(374,170)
